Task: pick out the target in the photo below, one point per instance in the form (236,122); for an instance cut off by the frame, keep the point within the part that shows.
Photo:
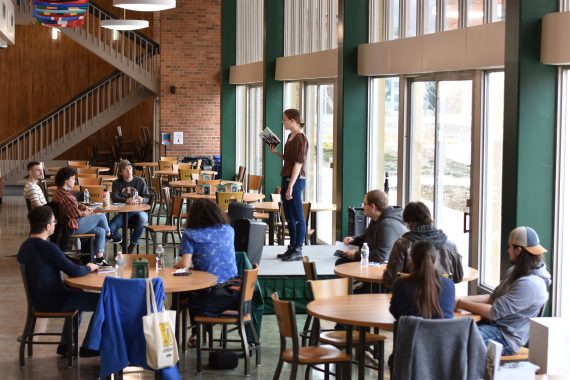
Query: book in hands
(342,248)
(269,137)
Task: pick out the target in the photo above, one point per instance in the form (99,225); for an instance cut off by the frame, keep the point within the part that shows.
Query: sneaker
(116,238)
(297,254)
(132,248)
(288,252)
(85,352)
(62,349)
(100,261)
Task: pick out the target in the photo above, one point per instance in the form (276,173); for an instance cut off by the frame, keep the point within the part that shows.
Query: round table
(124,209)
(247,197)
(372,274)
(273,207)
(183,183)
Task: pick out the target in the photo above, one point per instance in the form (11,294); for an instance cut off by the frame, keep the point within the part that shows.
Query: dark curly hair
(39,218)
(417,213)
(63,175)
(205,213)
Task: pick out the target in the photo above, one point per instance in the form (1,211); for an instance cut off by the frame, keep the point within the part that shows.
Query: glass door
(440,143)
(319,100)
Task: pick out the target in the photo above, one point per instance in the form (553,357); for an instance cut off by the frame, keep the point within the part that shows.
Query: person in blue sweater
(424,292)
(44,263)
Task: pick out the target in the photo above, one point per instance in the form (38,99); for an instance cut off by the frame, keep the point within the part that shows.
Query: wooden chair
(32,315)
(86,175)
(308,355)
(522,354)
(138,173)
(167,165)
(172,159)
(86,170)
(130,258)
(173,222)
(224,198)
(322,289)
(96,193)
(241,318)
(88,181)
(186,174)
(156,200)
(185,165)
(254,183)
(310,268)
(198,164)
(62,238)
(240,176)
(78,164)
(281,225)
(212,182)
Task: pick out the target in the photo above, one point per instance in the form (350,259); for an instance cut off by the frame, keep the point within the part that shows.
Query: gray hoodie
(524,300)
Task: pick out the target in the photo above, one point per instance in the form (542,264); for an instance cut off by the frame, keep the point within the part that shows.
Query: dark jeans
(136,219)
(82,301)
(213,301)
(294,211)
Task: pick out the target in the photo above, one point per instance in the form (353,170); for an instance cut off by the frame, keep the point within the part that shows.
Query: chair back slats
(285,314)
(185,165)
(86,176)
(254,182)
(330,288)
(95,192)
(225,198)
(186,174)
(89,181)
(240,176)
(86,170)
(171,159)
(248,283)
(310,269)
(78,164)
(167,165)
(26,287)
(177,203)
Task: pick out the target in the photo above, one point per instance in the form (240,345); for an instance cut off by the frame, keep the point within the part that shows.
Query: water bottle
(364,254)
(106,198)
(119,260)
(86,196)
(159,257)
(136,197)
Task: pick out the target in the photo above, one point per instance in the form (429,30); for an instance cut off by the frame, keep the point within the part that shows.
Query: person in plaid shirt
(81,218)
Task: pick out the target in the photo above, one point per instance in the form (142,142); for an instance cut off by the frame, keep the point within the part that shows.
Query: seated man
(385,228)
(123,191)
(81,218)
(418,219)
(521,295)
(32,191)
(44,263)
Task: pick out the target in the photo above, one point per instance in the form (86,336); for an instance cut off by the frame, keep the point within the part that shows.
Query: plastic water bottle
(364,255)
(86,196)
(106,198)
(159,257)
(136,197)
(119,261)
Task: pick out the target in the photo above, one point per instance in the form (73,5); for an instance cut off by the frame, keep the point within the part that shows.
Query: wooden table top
(172,173)
(124,208)
(107,177)
(172,284)
(372,274)
(99,168)
(274,207)
(362,310)
(183,183)
(146,164)
(247,197)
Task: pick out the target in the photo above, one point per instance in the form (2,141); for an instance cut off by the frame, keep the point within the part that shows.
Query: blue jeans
(294,211)
(94,224)
(81,301)
(491,331)
(136,219)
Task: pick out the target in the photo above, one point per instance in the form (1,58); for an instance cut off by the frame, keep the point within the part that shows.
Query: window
(561,300)
(451,14)
(249,31)
(249,123)
(430,16)
(376,21)
(475,12)
(492,174)
(411,17)
(393,14)
(498,9)
(383,135)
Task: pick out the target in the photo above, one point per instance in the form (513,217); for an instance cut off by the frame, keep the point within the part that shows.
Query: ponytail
(426,277)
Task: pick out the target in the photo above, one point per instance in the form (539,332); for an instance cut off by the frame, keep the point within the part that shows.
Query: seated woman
(208,243)
(81,218)
(423,293)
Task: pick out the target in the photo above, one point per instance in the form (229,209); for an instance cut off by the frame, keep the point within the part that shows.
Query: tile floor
(45,364)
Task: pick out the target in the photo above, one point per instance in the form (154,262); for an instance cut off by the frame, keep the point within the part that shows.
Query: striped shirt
(32,192)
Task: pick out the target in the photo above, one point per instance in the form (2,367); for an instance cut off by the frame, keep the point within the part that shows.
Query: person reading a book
(44,263)
(521,294)
(386,226)
(293,183)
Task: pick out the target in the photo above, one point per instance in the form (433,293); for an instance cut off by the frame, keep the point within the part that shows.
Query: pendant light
(124,23)
(145,5)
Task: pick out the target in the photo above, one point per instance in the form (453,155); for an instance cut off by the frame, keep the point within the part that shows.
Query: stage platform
(287,278)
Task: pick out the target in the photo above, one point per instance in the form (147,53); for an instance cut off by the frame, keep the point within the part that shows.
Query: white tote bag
(158,327)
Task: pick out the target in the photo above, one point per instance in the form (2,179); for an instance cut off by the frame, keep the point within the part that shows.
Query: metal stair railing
(69,120)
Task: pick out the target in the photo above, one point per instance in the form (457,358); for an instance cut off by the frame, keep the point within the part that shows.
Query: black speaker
(356,221)
(250,238)
(238,210)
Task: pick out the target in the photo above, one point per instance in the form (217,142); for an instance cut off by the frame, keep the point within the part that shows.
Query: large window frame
(249,123)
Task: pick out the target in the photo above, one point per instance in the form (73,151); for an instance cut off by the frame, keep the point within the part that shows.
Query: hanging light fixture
(124,23)
(145,5)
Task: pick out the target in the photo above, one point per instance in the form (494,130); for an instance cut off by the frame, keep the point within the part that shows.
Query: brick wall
(190,45)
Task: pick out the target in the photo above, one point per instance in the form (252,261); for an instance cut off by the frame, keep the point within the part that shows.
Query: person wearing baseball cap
(129,189)
(521,295)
